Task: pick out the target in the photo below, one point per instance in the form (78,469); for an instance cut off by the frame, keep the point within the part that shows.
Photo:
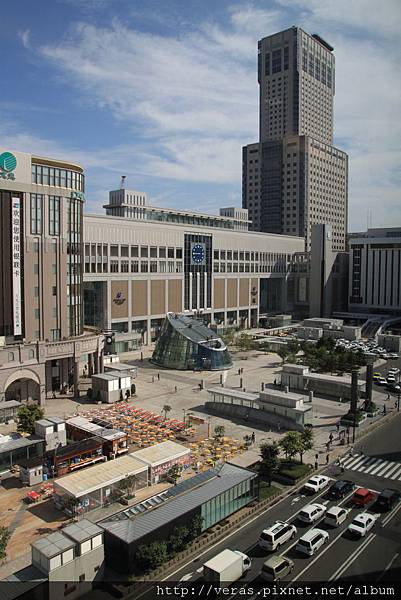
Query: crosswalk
(374,466)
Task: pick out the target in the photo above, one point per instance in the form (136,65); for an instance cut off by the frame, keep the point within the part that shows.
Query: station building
(142,262)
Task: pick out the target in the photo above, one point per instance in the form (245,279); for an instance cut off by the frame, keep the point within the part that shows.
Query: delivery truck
(226,567)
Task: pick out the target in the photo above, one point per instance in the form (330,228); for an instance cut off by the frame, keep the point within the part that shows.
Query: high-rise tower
(294,177)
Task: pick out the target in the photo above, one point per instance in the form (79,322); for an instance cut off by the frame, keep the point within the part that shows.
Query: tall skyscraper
(294,177)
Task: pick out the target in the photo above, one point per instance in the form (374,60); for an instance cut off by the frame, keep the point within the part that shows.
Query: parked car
(387,499)
(381,381)
(361,524)
(362,497)
(376,376)
(276,535)
(393,355)
(276,567)
(311,541)
(341,488)
(336,515)
(391,379)
(316,483)
(311,513)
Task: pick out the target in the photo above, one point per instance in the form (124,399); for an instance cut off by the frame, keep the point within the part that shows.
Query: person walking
(253,437)
(158,377)
(327,459)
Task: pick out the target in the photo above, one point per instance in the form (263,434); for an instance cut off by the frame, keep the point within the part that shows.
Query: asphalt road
(374,558)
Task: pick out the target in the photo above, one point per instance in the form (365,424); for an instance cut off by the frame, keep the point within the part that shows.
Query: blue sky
(165,92)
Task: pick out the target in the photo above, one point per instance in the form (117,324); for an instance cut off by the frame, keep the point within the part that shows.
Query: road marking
(367,465)
(373,466)
(397,474)
(355,462)
(353,557)
(390,564)
(384,471)
(393,470)
(380,465)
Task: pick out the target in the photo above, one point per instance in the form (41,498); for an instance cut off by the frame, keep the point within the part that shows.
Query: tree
(152,555)
(178,539)
(283,353)
(174,473)
(195,527)
(307,441)
(270,463)
(129,485)
(291,444)
(26,417)
(219,431)
(293,346)
(5,535)
(166,409)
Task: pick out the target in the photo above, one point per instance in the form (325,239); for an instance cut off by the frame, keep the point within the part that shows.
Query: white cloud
(191,99)
(25,36)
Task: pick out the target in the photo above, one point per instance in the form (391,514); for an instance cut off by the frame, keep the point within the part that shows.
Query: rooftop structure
(133,205)
(187,343)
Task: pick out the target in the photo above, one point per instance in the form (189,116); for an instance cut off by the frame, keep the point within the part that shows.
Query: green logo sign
(8,162)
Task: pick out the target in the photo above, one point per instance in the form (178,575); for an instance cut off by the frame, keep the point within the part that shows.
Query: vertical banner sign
(16,263)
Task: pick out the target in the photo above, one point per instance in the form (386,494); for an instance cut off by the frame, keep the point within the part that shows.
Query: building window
(134,251)
(10,356)
(153,252)
(114,266)
(153,266)
(144,252)
(162,266)
(31,354)
(36,313)
(124,266)
(144,266)
(134,266)
(55,333)
(54,215)
(36,213)
(170,253)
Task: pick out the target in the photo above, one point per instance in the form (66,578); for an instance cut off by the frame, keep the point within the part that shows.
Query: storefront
(161,457)
(101,485)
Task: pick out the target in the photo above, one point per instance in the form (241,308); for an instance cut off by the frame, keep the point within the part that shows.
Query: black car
(341,488)
(387,499)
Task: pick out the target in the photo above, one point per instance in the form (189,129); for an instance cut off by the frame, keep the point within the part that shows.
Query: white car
(311,513)
(336,515)
(316,483)
(390,379)
(361,524)
(381,381)
(393,355)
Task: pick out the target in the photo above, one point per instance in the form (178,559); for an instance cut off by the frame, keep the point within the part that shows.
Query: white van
(311,541)
(311,513)
(277,535)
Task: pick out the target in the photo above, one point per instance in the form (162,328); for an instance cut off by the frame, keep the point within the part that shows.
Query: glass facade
(225,504)
(45,175)
(74,266)
(186,343)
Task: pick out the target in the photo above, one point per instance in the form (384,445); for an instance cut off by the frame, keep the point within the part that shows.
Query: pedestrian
(153,379)
(316,465)
(175,389)
(275,382)
(384,409)
(200,386)
(239,371)
(158,377)
(253,437)
(327,459)
(338,427)
(388,396)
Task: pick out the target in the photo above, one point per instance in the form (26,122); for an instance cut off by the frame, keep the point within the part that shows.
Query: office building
(135,274)
(42,339)
(375,272)
(294,177)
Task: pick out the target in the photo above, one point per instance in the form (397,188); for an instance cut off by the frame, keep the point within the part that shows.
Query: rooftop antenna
(122,185)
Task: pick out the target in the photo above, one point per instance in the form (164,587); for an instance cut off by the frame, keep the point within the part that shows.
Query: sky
(165,92)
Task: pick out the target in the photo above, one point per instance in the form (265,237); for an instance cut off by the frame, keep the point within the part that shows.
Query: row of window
(135,266)
(246,268)
(133,251)
(54,203)
(43,175)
